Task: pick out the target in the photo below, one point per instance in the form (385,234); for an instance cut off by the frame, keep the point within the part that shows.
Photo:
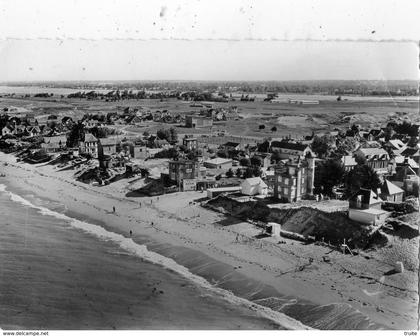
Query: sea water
(61,271)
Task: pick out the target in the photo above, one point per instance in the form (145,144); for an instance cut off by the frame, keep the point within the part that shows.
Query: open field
(295,120)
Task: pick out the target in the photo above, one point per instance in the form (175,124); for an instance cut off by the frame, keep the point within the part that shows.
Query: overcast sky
(32,60)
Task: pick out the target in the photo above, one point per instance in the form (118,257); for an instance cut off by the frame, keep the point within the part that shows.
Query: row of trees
(169,135)
(331,173)
(252,171)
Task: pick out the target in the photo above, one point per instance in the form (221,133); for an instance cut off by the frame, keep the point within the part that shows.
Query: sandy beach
(361,285)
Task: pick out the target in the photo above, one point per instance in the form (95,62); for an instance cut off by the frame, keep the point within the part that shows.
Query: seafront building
(294,179)
(89,145)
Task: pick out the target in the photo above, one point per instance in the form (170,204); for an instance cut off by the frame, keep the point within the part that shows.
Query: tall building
(186,173)
(294,179)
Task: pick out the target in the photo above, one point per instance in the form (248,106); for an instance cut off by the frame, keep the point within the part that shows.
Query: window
(303,180)
(279,179)
(359,201)
(286,180)
(294,182)
(285,191)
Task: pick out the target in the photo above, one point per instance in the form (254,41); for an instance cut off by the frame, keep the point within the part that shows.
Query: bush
(244,162)
(229,173)
(170,153)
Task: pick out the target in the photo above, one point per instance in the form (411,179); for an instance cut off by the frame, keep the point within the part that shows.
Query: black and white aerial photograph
(208,165)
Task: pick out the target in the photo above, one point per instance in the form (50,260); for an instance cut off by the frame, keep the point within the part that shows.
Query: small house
(190,142)
(139,152)
(391,193)
(365,207)
(8,129)
(232,146)
(348,162)
(107,146)
(254,186)
(218,163)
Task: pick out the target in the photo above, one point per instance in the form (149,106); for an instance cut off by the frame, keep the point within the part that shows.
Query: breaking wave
(142,252)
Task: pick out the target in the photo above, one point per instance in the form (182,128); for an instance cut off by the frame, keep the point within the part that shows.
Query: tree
(249,172)
(77,134)
(276,157)
(244,162)
(362,176)
(322,146)
(345,146)
(263,147)
(229,173)
(256,171)
(173,136)
(170,153)
(238,173)
(274,129)
(360,158)
(163,134)
(261,127)
(329,174)
(256,161)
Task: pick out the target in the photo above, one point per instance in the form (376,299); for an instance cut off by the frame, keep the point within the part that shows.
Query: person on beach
(131,233)
(113,209)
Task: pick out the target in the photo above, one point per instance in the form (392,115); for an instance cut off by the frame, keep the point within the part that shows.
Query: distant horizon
(206,80)
(206,61)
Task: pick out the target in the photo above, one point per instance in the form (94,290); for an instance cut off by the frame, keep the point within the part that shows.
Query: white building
(254,186)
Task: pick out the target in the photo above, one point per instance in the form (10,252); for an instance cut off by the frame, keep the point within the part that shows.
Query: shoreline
(61,277)
(181,225)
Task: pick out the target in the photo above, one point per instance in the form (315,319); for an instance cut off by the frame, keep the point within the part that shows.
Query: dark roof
(231,144)
(368,196)
(409,151)
(375,132)
(388,188)
(289,145)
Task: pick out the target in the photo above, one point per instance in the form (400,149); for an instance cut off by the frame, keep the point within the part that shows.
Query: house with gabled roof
(232,146)
(107,146)
(8,129)
(376,158)
(291,150)
(413,153)
(89,145)
(365,207)
(391,193)
(33,130)
(348,162)
(396,146)
(254,186)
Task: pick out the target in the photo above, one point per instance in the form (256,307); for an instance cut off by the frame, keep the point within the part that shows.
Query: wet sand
(176,223)
(56,277)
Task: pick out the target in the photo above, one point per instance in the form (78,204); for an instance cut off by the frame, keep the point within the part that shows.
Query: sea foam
(142,252)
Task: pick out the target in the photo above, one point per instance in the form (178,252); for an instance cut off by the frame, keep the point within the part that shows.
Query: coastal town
(368,173)
(335,198)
